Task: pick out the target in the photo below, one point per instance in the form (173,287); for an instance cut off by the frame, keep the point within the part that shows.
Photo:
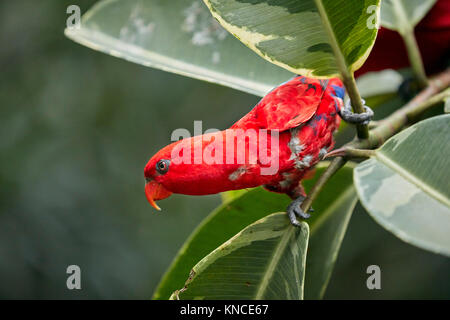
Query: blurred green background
(76,130)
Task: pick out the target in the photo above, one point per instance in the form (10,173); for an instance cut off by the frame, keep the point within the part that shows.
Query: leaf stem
(407,33)
(415,57)
(347,75)
(350,153)
(356,102)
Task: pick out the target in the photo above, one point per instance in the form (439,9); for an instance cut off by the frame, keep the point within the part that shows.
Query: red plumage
(302,112)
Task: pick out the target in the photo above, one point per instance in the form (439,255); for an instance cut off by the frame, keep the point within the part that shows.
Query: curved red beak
(155,191)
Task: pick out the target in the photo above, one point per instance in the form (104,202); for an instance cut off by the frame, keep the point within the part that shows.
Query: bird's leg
(296,192)
(356,118)
(294,209)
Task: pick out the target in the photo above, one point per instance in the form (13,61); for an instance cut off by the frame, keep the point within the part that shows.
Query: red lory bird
(274,145)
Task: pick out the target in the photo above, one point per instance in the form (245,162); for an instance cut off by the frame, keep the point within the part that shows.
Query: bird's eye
(162,166)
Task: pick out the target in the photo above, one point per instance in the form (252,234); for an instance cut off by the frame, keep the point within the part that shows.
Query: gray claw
(293,219)
(356,118)
(294,211)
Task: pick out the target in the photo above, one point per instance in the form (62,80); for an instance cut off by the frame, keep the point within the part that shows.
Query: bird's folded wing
(285,107)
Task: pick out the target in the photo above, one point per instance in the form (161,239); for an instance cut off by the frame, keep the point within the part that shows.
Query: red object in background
(433,38)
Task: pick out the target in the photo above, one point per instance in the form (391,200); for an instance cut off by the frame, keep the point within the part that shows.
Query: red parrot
(274,145)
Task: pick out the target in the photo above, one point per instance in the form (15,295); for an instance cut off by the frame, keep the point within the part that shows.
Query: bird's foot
(356,118)
(294,210)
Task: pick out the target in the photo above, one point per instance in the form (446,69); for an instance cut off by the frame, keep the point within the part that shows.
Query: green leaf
(266,260)
(250,206)
(404,15)
(177,36)
(327,231)
(406,186)
(230,195)
(293,35)
(223,223)
(447,105)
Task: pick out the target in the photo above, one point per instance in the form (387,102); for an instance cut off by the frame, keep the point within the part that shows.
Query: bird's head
(158,172)
(193,166)
(172,170)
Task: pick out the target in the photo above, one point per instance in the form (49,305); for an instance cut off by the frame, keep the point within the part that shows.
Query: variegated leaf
(178,36)
(300,35)
(266,260)
(406,186)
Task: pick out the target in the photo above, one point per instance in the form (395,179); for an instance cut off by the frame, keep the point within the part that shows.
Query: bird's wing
(287,106)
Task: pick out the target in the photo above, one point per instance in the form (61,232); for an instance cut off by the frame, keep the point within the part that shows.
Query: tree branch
(334,166)
(386,129)
(408,113)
